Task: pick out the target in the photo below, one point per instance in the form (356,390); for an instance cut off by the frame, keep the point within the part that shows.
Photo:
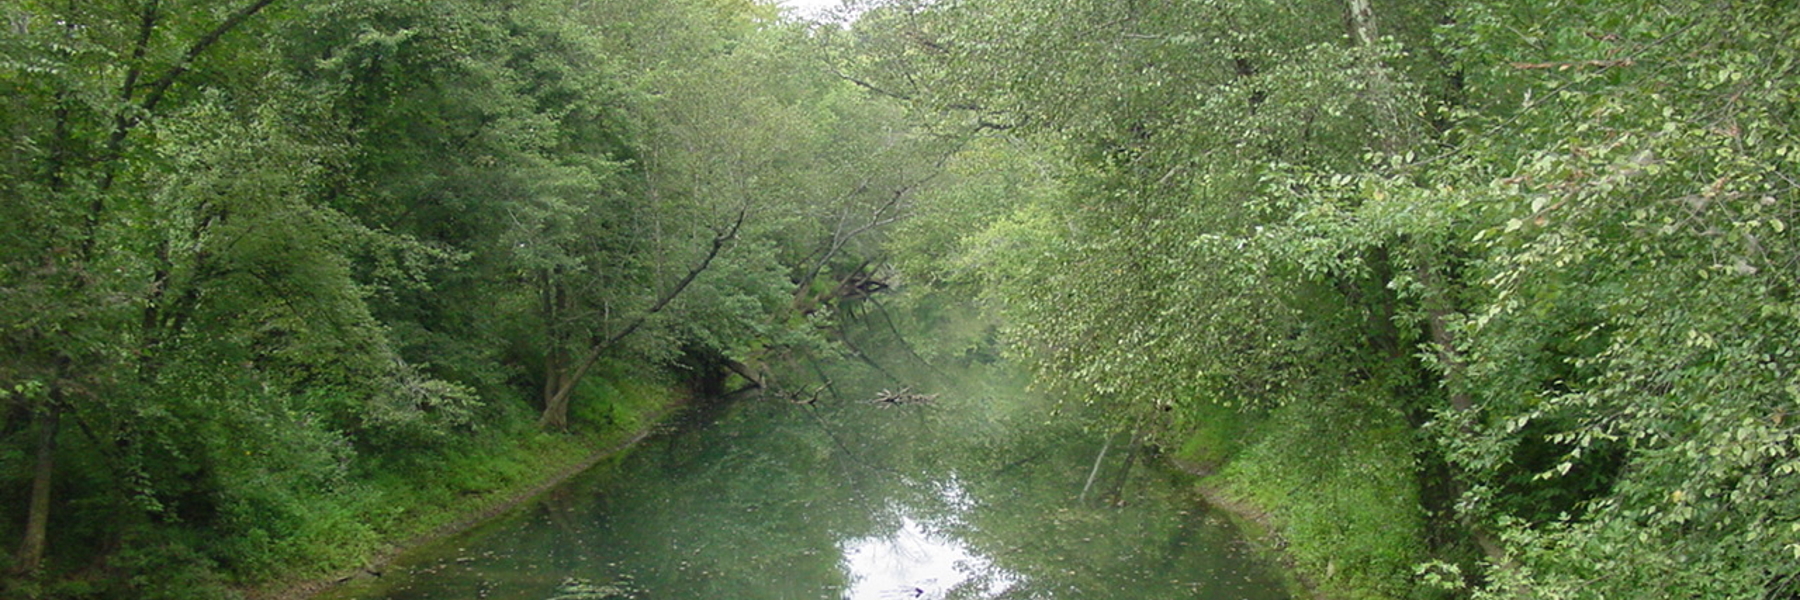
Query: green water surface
(977,493)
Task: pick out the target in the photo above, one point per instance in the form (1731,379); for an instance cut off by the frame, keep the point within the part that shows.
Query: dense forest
(1474,299)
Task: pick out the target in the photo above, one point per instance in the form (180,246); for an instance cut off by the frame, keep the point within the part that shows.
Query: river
(980,491)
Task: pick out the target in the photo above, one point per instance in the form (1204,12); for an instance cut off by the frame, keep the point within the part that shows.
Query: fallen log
(902,397)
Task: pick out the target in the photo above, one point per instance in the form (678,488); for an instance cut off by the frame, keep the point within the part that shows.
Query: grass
(1333,481)
(406,501)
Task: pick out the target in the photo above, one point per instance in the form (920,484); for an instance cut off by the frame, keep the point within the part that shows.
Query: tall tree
(77,151)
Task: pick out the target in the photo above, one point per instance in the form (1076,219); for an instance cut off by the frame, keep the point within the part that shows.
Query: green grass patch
(1214,434)
(395,498)
(1338,485)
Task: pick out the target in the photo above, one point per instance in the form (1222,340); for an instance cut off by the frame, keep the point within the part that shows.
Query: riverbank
(1257,525)
(1330,486)
(551,459)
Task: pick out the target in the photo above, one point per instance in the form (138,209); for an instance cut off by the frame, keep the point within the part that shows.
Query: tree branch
(161,85)
(593,355)
(129,117)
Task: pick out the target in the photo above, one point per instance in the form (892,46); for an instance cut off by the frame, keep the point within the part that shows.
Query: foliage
(1550,238)
(266,265)
(1340,486)
(1530,262)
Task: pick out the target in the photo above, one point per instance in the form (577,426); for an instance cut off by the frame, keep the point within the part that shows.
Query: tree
(260,258)
(1513,233)
(79,150)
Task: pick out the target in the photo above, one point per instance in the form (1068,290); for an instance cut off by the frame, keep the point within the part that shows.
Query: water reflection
(921,561)
(971,497)
(914,562)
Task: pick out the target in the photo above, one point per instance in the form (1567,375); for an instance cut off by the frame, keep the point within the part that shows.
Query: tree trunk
(555,355)
(1117,495)
(37,516)
(751,374)
(1437,299)
(1438,307)
(1362,22)
(1092,473)
(556,406)
(556,411)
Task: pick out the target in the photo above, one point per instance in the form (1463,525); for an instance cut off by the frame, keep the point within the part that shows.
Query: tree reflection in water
(974,496)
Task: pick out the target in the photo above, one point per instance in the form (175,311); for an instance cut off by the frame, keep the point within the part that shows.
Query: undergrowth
(338,505)
(1336,484)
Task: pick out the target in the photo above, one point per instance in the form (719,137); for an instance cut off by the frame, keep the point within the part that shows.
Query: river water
(979,493)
